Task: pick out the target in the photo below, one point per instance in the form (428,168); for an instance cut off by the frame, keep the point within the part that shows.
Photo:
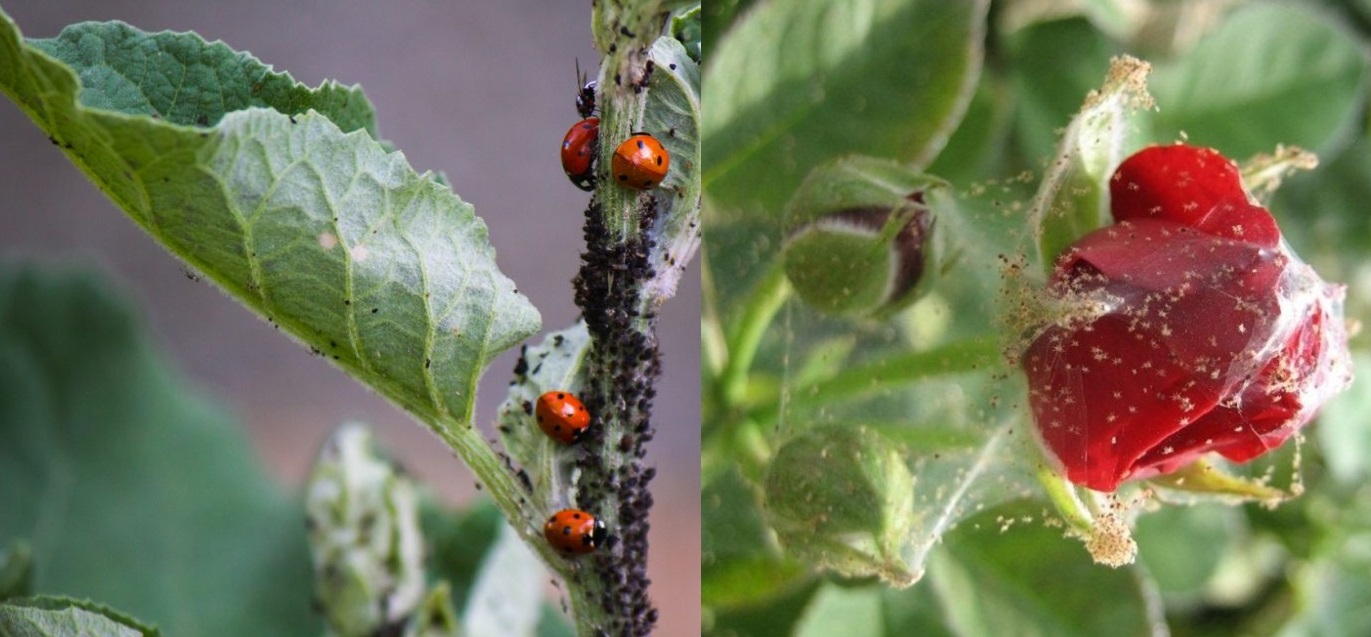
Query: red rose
(1192,328)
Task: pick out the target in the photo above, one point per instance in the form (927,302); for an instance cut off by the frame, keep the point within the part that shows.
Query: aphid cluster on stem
(621,371)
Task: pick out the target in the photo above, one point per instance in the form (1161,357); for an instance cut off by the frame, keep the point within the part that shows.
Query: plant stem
(762,306)
(609,589)
(1062,495)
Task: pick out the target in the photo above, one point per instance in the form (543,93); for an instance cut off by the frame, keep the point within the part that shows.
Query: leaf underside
(280,194)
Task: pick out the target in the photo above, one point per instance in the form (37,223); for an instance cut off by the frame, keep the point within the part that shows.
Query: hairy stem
(610,597)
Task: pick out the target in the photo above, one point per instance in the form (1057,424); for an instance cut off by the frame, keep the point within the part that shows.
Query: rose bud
(1192,328)
(843,497)
(858,236)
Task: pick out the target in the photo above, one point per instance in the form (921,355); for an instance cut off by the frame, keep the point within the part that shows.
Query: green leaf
(109,459)
(796,84)
(1005,572)
(506,597)
(1344,439)
(673,114)
(685,26)
(1323,215)
(1272,71)
(16,570)
(177,77)
(1181,546)
(719,15)
(302,216)
(842,498)
(1335,600)
(461,542)
(552,365)
(774,616)
(914,611)
(979,145)
(62,617)
(458,542)
(834,610)
(1055,65)
(740,564)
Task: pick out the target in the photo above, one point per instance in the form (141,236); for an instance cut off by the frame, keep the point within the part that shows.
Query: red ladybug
(640,162)
(574,532)
(579,148)
(562,416)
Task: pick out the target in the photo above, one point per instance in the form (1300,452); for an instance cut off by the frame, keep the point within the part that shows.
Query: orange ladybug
(640,162)
(562,416)
(574,532)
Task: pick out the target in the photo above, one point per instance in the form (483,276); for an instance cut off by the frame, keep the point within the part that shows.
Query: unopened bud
(843,497)
(858,237)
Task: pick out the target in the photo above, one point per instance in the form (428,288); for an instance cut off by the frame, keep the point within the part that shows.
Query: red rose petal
(1099,411)
(1192,186)
(1181,312)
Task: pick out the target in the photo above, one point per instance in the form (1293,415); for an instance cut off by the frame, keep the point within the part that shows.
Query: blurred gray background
(482,90)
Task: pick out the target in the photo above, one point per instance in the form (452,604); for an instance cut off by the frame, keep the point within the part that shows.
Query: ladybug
(640,162)
(579,148)
(574,532)
(585,98)
(562,416)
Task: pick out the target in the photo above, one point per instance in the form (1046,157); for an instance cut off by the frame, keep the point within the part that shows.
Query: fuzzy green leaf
(62,617)
(505,596)
(280,194)
(553,365)
(673,113)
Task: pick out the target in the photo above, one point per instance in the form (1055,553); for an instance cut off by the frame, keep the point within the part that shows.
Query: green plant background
(1241,77)
(491,128)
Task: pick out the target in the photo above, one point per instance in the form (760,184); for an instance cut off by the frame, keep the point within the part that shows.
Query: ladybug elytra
(640,162)
(562,416)
(579,148)
(574,532)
